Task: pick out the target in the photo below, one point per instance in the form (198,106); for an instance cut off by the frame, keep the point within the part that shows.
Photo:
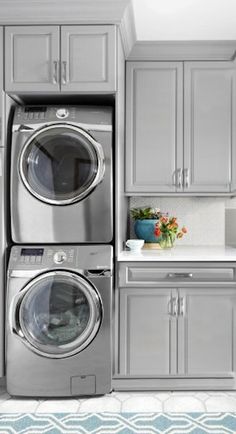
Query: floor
(124,402)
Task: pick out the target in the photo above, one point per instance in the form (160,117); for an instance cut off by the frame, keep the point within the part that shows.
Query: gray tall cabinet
(181,129)
(2,213)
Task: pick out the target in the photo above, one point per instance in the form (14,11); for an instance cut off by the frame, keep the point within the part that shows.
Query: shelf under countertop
(182,253)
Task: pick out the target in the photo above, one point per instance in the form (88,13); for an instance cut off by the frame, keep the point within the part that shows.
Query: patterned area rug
(121,423)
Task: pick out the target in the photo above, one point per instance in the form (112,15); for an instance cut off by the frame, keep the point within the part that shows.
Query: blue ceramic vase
(144,230)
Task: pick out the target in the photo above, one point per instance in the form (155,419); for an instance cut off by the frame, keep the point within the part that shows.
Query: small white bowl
(135,245)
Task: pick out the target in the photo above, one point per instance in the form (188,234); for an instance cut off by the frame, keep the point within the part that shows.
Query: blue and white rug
(120,423)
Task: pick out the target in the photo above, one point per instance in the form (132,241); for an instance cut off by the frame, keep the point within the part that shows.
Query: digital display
(32,252)
(35,109)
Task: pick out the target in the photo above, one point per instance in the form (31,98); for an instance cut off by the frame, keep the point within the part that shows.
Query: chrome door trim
(17,326)
(99,175)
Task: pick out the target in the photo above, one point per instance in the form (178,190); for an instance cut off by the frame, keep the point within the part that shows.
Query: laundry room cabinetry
(154,120)
(2,213)
(177,325)
(180,135)
(60,58)
(145,331)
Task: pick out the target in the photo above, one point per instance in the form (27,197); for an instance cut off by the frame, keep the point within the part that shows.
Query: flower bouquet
(167,230)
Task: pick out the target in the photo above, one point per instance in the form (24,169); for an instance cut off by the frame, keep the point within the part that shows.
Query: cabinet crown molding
(183,50)
(43,12)
(61,12)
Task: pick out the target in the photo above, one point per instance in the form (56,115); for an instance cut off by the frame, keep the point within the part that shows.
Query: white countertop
(182,253)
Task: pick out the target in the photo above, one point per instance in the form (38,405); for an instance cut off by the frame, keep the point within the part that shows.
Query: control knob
(62,113)
(59,257)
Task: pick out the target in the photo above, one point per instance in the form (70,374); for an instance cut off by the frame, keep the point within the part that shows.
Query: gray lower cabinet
(146,331)
(207,331)
(54,58)
(180,129)
(188,332)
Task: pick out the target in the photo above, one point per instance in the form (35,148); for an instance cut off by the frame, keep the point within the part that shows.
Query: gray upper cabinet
(209,131)
(146,331)
(177,144)
(207,331)
(31,58)
(88,58)
(67,59)
(154,126)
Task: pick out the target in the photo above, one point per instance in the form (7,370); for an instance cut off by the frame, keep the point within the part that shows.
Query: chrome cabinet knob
(59,257)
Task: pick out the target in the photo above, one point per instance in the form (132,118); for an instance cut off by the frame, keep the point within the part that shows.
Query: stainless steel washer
(58,321)
(61,175)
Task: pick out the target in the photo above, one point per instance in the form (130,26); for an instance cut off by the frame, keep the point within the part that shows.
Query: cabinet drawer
(135,273)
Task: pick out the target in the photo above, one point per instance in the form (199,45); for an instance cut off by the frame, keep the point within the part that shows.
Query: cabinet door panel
(206,332)
(88,58)
(147,332)
(31,53)
(153,126)
(208,139)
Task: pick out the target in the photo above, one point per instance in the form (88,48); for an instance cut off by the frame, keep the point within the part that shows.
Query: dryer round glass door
(59,314)
(61,164)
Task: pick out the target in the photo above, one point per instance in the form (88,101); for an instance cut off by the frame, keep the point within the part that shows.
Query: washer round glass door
(61,164)
(59,314)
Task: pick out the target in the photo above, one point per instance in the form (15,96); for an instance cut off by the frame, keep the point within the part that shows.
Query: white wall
(165,20)
(204,217)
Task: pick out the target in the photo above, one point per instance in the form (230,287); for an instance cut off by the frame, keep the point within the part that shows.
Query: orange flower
(184,230)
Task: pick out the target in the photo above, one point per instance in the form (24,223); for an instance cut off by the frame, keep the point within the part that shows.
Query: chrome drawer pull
(184,275)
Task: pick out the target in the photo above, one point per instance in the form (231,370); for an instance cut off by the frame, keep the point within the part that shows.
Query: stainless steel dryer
(58,321)
(61,175)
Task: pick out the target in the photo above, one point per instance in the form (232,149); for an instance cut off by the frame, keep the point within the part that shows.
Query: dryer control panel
(32,114)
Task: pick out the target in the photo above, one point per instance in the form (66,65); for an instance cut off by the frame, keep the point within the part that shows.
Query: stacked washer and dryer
(59,295)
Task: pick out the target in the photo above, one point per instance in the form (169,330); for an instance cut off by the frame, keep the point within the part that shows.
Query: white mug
(135,245)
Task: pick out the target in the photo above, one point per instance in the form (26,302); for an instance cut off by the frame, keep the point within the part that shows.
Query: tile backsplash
(204,217)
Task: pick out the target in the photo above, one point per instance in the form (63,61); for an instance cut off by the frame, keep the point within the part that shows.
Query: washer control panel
(92,260)
(47,256)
